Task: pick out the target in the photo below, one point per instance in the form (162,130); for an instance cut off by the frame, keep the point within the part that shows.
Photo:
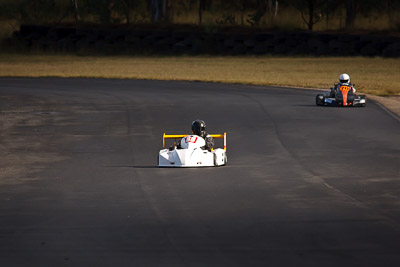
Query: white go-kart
(191,153)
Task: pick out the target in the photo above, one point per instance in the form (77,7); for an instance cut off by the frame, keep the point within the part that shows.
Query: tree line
(250,12)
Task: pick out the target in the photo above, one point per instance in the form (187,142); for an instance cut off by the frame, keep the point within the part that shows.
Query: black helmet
(199,127)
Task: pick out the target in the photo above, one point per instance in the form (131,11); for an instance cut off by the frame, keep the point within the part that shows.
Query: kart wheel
(364,97)
(319,100)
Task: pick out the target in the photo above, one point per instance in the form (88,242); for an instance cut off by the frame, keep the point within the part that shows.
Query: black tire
(319,100)
(365,98)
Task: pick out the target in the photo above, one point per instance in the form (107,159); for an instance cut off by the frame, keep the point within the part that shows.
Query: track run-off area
(304,185)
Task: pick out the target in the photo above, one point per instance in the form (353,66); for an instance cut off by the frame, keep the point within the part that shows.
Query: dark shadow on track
(132,166)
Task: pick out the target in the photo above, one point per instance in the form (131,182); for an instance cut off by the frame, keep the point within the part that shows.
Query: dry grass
(372,75)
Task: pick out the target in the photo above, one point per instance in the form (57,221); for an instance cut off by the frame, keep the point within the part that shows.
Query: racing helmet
(344,78)
(199,127)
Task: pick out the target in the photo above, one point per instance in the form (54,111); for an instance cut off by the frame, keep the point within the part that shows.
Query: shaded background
(211,14)
(290,27)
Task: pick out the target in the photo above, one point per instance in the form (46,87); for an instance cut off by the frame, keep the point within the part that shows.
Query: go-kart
(191,153)
(343,97)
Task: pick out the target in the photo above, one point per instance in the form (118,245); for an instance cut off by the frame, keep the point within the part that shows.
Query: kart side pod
(192,155)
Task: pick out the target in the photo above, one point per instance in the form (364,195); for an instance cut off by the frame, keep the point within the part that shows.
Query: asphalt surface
(304,185)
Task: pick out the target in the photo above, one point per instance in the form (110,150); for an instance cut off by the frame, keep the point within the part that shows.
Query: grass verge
(376,76)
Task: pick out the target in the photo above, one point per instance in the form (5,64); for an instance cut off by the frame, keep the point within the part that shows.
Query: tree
(351,13)
(203,5)
(270,6)
(312,11)
(102,9)
(160,10)
(365,7)
(74,5)
(39,11)
(392,9)
(126,7)
(234,6)
(240,5)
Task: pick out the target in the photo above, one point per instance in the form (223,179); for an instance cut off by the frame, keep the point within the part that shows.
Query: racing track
(305,185)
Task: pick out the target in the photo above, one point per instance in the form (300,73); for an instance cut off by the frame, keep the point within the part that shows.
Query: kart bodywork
(191,153)
(343,97)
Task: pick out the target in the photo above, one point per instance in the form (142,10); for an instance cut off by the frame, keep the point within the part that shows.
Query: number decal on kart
(344,88)
(191,139)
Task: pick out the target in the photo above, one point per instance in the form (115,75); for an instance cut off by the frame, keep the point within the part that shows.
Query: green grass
(376,76)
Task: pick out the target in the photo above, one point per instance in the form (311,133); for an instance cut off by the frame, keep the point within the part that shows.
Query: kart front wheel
(319,100)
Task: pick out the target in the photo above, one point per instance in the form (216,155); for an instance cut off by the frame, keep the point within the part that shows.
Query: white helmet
(344,78)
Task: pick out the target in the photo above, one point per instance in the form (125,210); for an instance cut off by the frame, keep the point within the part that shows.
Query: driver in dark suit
(344,79)
(199,128)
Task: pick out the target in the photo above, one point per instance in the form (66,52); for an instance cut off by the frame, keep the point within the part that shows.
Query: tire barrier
(134,41)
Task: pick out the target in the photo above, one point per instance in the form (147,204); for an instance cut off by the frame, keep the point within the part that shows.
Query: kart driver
(344,79)
(199,128)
